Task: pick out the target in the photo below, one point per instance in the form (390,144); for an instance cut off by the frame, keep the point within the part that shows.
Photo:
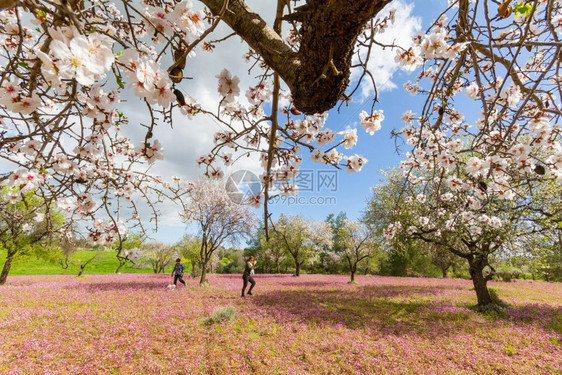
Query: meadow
(104,262)
(314,324)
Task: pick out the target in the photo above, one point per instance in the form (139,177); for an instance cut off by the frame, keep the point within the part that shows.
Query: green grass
(104,263)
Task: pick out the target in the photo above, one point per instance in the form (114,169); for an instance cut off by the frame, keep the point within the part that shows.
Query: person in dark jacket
(247,276)
(177,273)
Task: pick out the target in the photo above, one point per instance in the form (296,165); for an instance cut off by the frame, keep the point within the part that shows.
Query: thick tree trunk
(318,73)
(6,268)
(203,279)
(476,266)
(297,268)
(353,275)
(328,36)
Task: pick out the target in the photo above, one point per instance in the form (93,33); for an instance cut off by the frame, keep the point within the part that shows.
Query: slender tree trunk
(121,264)
(353,270)
(297,268)
(6,268)
(476,266)
(444,272)
(82,268)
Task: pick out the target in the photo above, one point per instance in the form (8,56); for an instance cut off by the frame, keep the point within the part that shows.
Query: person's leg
(245,278)
(251,280)
(181,280)
(176,279)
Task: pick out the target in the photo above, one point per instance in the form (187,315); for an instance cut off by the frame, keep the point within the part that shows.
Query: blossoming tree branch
(67,63)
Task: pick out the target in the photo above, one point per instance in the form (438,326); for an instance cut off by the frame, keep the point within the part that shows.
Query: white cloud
(381,63)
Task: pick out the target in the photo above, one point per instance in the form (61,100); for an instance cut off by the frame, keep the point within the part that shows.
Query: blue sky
(353,189)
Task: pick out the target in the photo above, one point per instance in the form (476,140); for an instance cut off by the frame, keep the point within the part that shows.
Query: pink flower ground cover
(315,324)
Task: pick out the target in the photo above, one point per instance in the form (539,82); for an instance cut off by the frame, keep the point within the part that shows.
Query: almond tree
(301,239)
(159,255)
(473,176)
(273,250)
(355,243)
(218,218)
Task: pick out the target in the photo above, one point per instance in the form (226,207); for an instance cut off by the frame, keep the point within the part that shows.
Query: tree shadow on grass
(239,275)
(109,286)
(99,283)
(311,283)
(377,310)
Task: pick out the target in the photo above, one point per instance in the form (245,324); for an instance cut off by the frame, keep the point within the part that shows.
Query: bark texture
(318,73)
(6,269)
(476,268)
(5,4)
(203,279)
(121,264)
(329,32)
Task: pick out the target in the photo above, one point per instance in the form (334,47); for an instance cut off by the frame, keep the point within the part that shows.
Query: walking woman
(247,276)
(177,273)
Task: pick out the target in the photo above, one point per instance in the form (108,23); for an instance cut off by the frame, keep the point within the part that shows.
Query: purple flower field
(315,324)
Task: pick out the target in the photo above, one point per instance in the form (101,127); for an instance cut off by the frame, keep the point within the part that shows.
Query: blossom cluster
(296,133)
(132,254)
(105,232)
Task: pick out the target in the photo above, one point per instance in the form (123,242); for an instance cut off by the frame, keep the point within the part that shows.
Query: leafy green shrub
(408,261)
(228,265)
(460,273)
(220,314)
(509,273)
